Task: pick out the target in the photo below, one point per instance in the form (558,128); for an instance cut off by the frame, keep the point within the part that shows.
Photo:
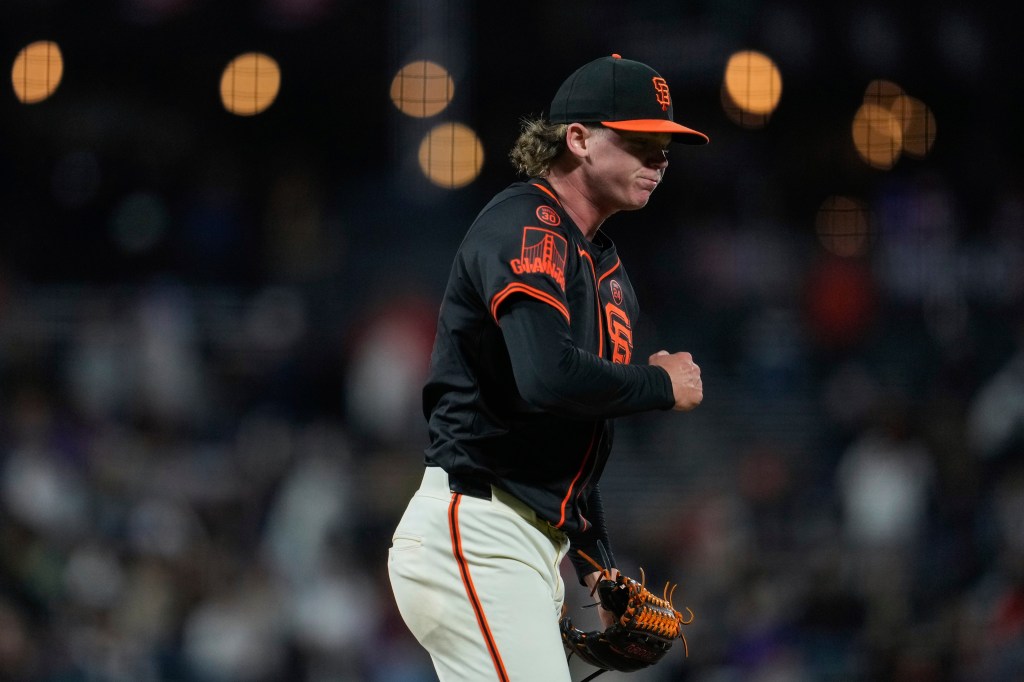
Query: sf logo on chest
(543,252)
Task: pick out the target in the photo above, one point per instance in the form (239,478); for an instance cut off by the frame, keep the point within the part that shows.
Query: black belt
(470,484)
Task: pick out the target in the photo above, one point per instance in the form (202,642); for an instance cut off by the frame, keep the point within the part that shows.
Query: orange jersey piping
(597,294)
(600,353)
(467,582)
(549,193)
(519,287)
(613,269)
(572,486)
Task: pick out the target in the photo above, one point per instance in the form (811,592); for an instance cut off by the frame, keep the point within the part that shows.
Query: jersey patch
(543,252)
(616,292)
(548,216)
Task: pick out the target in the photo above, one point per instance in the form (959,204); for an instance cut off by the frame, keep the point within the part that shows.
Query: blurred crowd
(199,482)
(214,333)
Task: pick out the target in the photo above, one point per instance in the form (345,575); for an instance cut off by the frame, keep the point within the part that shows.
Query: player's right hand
(687,387)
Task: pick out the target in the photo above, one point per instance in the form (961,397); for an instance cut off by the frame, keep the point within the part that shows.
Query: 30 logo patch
(548,216)
(543,252)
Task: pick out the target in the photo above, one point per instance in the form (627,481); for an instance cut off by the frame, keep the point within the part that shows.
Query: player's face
(628,166)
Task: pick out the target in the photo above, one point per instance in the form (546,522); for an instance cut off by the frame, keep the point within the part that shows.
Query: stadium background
(214,327)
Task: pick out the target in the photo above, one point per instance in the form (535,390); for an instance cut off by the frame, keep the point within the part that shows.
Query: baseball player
(531,362)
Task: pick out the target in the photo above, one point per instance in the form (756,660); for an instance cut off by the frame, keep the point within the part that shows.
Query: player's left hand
(608,617)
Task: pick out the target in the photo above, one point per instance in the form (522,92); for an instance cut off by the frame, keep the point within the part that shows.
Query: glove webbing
(648,613)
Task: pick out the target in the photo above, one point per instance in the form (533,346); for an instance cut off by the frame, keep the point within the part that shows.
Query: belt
(477,486)
(470,484)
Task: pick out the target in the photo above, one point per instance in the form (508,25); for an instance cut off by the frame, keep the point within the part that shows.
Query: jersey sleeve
(552,373)
(518,248)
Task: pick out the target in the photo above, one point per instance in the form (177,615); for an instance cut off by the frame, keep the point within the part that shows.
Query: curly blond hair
(538,145)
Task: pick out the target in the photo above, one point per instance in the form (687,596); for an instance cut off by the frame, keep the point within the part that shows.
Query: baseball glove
(645,626)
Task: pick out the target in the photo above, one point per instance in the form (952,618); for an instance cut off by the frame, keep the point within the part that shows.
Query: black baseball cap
(622,94)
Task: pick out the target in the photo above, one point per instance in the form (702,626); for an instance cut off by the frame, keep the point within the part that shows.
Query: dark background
(214,329)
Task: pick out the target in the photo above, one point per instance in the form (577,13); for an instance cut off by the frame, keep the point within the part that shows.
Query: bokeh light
(843,226)
(37,71)
(739,115)
(753,82)
(882,93)
(451,155)
(877,135)
(250,83)
(422,88)
(918,124)
(890,123)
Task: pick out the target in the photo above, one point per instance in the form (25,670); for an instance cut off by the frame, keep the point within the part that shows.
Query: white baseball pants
(478,583)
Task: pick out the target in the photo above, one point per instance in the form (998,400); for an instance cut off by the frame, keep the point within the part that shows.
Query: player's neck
(577,203)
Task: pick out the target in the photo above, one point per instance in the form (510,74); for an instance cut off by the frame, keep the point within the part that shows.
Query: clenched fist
(687,387)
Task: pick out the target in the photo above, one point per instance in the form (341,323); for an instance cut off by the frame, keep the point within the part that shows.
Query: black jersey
(530,298)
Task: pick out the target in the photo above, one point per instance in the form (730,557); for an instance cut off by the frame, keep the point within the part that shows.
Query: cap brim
(679,133)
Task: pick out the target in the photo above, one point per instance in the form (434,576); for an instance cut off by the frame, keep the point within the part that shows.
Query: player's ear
(577,139)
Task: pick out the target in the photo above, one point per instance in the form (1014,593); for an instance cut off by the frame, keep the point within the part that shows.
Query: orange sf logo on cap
(661,92)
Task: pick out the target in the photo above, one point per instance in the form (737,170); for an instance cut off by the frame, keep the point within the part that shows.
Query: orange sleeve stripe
(520,288)
(467,582)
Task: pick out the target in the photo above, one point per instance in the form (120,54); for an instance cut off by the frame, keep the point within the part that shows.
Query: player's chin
(636,197)
(643,191)
(639,200)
